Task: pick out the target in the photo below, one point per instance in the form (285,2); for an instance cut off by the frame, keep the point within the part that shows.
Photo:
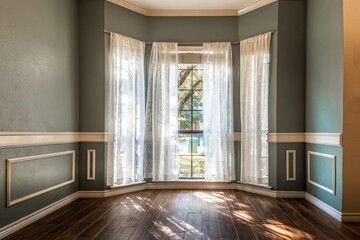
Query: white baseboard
(323,206)
(190,185)
(23,222)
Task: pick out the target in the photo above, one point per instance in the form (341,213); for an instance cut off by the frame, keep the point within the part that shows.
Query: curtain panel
(254,94)
(161,162)
(126,112)
(218,112)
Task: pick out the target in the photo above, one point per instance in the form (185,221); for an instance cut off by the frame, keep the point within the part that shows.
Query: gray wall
(287,80)
(324,85)
(39,70)
(39,66)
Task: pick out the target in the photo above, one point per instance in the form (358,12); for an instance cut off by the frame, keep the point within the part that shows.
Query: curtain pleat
(126,111)
(218,112)
(254,94)
(161,162)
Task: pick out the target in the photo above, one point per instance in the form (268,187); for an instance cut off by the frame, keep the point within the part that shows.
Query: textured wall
(39,85)
(324,83)
(39,65)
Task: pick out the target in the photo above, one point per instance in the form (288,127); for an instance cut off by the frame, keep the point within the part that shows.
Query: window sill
(191,181)
(255,185)
(126,185)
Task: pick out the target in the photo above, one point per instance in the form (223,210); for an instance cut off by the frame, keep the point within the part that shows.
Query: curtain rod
(189,43)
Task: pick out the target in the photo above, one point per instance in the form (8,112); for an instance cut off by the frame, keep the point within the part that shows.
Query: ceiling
(192,4)
(192,7)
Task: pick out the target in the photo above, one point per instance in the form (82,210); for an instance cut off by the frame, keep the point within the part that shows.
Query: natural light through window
(190,139)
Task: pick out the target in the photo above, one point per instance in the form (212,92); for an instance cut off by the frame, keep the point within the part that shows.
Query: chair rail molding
(331,139)
(20,139)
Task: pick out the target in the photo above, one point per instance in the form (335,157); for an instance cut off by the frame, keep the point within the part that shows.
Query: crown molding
(188,13)
(254,6)
(130,6)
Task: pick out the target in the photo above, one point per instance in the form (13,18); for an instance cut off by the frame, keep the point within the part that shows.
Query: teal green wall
(39,75)
(39,66)
(324,85)
(287,80)
(37,177)
(323,174)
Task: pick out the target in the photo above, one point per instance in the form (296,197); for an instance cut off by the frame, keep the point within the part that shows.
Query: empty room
(191,119)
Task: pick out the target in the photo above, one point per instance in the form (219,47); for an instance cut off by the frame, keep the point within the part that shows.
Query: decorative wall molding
(20,139)
(163,13)
(23,222)
(286,137)
(333,158)
(11,202)
(288,178)
(332,139)
(325,207)
(187,13)
(254,6)
(130,6)
(91,159)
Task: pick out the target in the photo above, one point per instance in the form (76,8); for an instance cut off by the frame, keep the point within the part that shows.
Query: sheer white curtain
(217,112)
(161,162)
(126,112)
(254,93)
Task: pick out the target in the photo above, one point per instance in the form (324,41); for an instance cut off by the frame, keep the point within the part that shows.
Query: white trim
(332,139)
(187,13)
(130,6)
(293,178)
(10,202)
(211,12)
(90,175)
(19,139)
(190,185)
(254,6)
(126,185)
(286,137)
(333,158)
(325,207)
(350,217)
(32,217)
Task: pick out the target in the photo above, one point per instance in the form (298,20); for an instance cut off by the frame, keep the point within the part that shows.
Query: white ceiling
(192,4)
(192,7)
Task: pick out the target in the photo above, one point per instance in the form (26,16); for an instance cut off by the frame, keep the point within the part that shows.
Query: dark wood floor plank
(242,226)
(310,230)
(39,223)
(48,226)
(82,225)
(64,226)
(326,220)
(289,228)
(128,217)
(188,214)
(105,219)
(148,221)
(223,216)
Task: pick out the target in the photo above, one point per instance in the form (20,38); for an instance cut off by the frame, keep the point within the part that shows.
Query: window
(190,139)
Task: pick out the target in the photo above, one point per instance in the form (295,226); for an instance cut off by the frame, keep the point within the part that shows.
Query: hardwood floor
(188,214)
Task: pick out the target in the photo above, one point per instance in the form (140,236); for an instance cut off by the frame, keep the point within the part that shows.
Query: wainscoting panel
(23,175)
(91,158)
(321,185)
(290,165)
